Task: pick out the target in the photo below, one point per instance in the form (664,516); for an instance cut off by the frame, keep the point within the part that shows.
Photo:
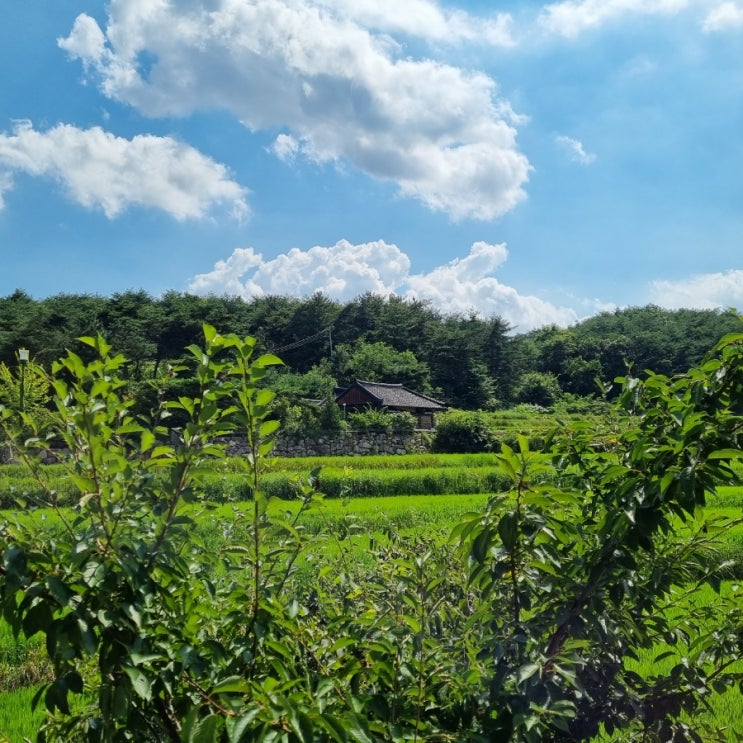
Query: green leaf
(526,672)
(268,427)
(726,454)
(236,727)
(714,582)
(139,658)
(209,333)
(267,359)
(74,682)
(358,731)
(55,697)
(59,590)
(481,545)
(231,684)
(147,440)
(207,730)
(37,619)
(508,530)
(140,682)
(335,728)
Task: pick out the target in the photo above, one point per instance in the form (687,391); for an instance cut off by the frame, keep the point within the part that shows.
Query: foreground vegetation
(516,627)
(358,525)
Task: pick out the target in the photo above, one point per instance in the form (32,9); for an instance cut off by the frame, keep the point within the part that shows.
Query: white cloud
(704,291)
(344,271)
(426,20)
(575,150)
(467,284)
(727,16)
(572,17)
(100,170)
(86,41)
(286,147)
(328,74)
(6,184)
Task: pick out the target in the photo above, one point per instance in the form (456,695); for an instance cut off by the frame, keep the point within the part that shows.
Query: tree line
(467,361)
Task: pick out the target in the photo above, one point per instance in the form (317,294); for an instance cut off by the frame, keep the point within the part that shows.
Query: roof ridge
(399,386)
(382,384)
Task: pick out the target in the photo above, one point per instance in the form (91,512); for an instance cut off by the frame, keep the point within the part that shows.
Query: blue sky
(540,162)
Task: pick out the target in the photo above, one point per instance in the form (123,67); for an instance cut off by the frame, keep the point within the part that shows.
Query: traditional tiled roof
(398,396)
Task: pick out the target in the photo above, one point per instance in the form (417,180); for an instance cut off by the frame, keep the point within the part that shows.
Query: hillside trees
(16,324)
(380,362)
(458,369)
(180,317)
(133,324)
(58,320)
(307,335)
(361,319)
(474,362)
(646,338)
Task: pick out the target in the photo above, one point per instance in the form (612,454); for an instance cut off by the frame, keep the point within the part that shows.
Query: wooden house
(391,397)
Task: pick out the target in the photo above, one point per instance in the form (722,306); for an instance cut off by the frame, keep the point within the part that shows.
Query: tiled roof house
(392,397)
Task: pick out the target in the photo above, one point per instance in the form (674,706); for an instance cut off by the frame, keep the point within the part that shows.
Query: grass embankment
(371,477)
(22,667)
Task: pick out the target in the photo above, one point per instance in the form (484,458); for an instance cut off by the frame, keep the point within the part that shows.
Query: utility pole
(23,359)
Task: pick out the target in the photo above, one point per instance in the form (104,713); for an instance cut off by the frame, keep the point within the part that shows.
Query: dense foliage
(519,630)
(470,362)
(464,433)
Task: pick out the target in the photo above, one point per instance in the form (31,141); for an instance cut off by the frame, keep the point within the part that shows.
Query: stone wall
(347,443)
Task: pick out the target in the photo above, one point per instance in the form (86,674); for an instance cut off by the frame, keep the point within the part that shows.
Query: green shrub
(538,388)
(308,418)
(459,432)
(379,419)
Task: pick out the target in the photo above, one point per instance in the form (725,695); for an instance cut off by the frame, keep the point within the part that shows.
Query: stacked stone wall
(346,443)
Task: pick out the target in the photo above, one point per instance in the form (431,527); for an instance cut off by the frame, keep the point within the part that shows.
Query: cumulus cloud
(99,170)
(332,79)
(726,16)
(425,19)
(572,17)
(344,271)
(704,291)
(575,150)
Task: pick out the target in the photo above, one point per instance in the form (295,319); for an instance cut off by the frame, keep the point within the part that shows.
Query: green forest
(468,362)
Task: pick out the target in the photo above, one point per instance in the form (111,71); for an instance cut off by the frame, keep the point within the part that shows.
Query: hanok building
(390,397)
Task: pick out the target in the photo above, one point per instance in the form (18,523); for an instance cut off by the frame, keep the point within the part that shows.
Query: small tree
(538,388)
(459,432)
(26,389)
(380,362)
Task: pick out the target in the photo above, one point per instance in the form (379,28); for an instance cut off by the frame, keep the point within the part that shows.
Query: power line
(308,339)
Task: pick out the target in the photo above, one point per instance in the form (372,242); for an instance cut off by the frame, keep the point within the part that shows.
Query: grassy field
(410,495)
(725,710)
